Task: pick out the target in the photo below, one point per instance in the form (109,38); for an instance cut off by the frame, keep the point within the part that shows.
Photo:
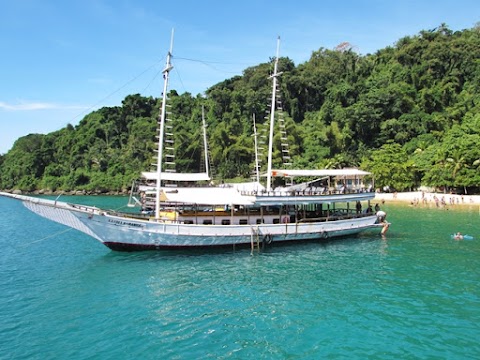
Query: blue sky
(61,59)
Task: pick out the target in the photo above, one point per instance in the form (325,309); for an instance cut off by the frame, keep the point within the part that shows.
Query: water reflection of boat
(185,216)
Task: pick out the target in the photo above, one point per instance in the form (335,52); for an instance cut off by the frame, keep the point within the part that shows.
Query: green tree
(391,167)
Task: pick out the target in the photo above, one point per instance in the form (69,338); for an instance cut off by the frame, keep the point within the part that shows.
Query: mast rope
(120,88)
(210,64)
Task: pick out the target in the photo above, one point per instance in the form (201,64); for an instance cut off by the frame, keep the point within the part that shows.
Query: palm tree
(456,163)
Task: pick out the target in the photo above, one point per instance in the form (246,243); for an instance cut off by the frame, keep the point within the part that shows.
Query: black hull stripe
(116,246)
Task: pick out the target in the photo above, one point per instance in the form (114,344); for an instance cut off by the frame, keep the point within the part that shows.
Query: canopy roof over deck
(352,172)
(176,176)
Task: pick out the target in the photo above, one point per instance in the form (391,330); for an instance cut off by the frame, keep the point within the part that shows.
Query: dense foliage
(408,113)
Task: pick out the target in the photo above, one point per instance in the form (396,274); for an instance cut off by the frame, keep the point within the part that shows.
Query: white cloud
(32,106)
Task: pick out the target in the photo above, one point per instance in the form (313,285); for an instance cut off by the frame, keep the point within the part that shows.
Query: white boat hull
(124,233)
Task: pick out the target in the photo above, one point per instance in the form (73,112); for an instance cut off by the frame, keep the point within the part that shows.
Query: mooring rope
(47,237)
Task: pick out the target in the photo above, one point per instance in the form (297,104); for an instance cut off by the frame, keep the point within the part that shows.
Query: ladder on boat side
(255,240)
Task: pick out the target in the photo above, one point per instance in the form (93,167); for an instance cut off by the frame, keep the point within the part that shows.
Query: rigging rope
(209,64)
(117,90)
(206,63)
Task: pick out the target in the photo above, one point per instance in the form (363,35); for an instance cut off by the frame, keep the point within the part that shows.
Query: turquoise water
(414,294)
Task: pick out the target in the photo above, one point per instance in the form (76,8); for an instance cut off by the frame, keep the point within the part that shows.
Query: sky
(62,59)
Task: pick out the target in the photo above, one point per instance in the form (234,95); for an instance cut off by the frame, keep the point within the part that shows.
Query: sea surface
(414,294)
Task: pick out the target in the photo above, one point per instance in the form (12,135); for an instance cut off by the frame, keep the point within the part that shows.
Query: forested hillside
(408,113)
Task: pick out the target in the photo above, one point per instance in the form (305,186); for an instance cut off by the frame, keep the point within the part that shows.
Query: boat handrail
(305,192)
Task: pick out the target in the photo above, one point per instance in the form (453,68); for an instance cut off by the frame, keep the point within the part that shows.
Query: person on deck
(358,207)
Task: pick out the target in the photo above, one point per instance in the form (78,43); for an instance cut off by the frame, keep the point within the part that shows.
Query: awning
(320,173)
(207,196)
(245,186)
(176,176)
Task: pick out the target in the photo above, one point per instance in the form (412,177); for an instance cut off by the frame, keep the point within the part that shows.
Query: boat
(326,207)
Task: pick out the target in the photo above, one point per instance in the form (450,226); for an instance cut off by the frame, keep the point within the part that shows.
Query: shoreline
(422,198)
(68,193)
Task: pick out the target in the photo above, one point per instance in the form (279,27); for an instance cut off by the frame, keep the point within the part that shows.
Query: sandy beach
(419,198)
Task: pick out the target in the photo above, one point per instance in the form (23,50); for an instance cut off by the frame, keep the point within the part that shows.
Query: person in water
(458,236)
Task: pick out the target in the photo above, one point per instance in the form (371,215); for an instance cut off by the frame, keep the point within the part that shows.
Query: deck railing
(306,192)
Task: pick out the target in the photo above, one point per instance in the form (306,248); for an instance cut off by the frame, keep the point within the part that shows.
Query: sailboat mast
(272,118)
(205,145)
(255,139)
(166,72)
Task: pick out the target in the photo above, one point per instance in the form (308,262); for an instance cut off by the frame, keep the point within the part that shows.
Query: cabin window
(243,222)
(260,221)
(276,221)
(207,222)
(188,221)
(225,222)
